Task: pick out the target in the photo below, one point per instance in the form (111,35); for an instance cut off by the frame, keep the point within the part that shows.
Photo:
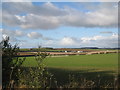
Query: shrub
(36,77)
(10,64)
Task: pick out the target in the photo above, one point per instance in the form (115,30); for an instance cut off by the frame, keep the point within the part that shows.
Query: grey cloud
(36,35)
(101,41)
(97,41)
(17,7)
(14,35)
(106,32)
(40,22)
(10,20)
(19,33)
(47,38)
(49,16)
(13,39)
(27,7)
(62,0)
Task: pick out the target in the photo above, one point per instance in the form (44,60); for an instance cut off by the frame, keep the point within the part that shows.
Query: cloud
(13,35)
(0,35)
(70,42)
(46,9)
(10,20)
(108,0)
(48,16)
(16,0)
(19,33)
(97,41)
(101,41)
(61,0)
(106,32)
(34,35)
(5,37)
(40,22)
(67,41)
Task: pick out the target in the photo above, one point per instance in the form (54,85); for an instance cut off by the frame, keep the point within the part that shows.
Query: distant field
(62,49)
(90,62)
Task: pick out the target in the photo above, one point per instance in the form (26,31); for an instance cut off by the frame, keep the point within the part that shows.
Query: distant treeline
(39,49)
(97,48)
(61,49)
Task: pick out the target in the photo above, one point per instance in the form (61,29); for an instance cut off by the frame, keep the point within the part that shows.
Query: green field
(82,66)
(97,61)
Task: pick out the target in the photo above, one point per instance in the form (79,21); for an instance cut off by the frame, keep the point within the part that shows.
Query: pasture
(81,66)
(78,62)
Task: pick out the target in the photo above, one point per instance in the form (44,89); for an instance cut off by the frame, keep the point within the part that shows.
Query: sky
(60,24)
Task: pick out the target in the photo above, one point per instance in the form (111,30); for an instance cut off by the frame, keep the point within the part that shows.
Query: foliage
(10,63)
(85,83)
(16,76)
(37,77)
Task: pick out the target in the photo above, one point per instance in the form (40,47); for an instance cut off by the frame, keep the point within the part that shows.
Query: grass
(82,66)
(97,61)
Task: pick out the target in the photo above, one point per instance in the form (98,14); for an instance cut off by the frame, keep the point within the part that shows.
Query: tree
(10,63)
